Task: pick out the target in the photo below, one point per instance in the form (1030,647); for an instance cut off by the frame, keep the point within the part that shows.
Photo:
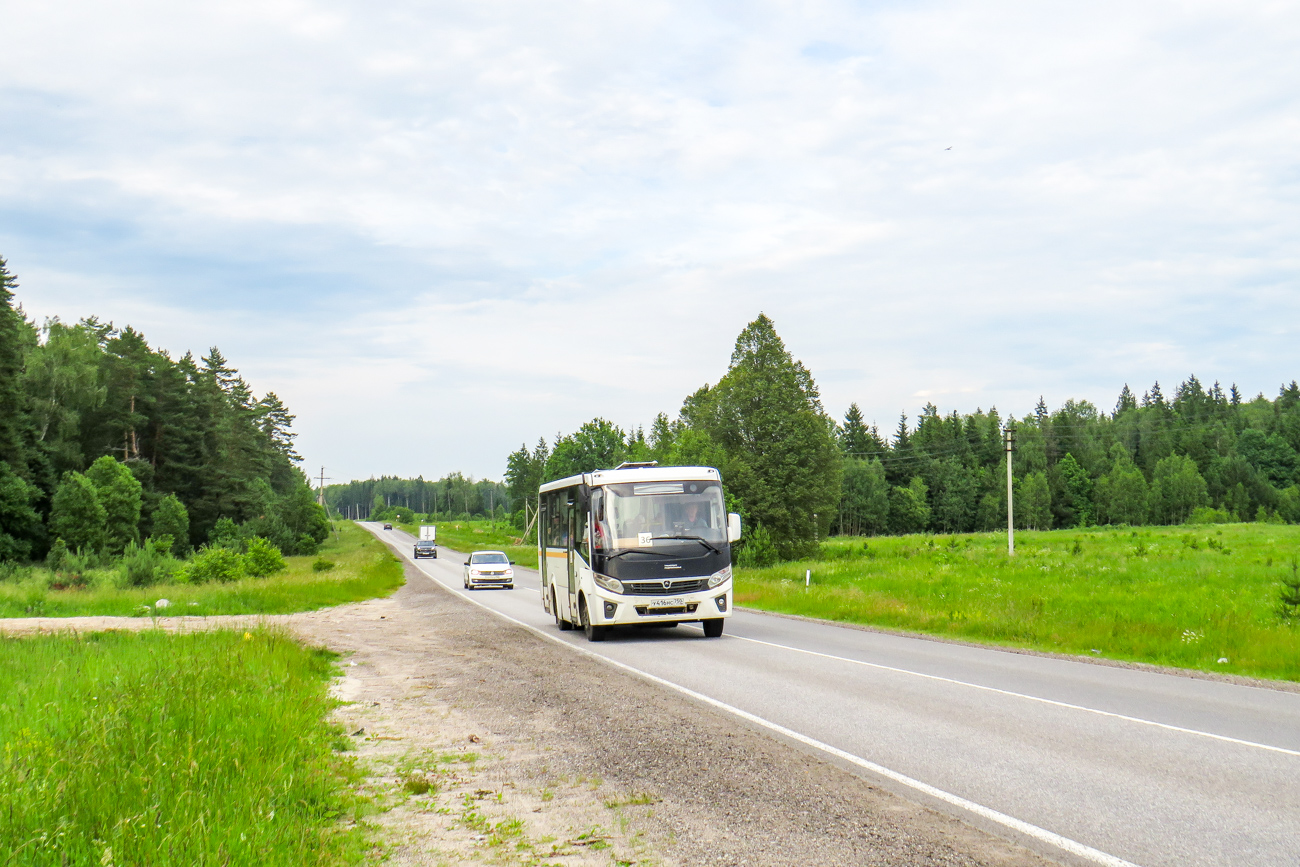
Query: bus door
(543,524)
(575,530)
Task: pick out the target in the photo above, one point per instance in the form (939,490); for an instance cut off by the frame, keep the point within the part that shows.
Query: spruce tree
(171,519)
(783,462)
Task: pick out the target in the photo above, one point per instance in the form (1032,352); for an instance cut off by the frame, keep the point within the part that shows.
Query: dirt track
(537,755)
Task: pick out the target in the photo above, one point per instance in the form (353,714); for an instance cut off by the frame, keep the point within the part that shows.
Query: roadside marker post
(1011,526)
(807,578)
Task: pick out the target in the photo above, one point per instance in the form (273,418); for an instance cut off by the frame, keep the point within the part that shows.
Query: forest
(453,497)
(108,445)
(796,475)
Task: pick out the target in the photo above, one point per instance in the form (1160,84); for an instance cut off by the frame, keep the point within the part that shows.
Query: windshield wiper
(699,539)
(639,551)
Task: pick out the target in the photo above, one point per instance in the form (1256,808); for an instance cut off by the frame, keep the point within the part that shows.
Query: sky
(440,230)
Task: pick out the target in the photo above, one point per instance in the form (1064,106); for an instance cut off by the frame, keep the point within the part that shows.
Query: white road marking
(1043,835)
(993,689)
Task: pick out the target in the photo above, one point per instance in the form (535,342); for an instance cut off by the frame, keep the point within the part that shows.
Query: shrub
(57,558)
(214,563)
(1289,596)
(322,565)
(225,534)
(262,558)
(146,565)
(1207,515)
(759,550)
(306,544)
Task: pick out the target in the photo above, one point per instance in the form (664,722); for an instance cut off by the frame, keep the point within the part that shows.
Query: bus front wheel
(564,625)
(713,628)
(594,633)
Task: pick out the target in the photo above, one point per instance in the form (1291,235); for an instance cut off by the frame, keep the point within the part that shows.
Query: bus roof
(636,474)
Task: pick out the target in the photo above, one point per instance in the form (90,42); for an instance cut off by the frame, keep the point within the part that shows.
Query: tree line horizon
(109,446)
(797,475)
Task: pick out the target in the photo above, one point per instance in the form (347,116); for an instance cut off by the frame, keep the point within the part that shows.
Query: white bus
(637,545)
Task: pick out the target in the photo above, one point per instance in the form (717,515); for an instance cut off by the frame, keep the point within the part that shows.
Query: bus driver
(693,520)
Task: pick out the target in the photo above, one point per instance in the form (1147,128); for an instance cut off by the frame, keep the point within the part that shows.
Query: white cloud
(388,214)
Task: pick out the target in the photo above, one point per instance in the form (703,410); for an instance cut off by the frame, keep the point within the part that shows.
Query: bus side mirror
(733,527)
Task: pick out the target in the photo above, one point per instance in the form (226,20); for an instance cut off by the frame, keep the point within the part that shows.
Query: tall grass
(362,568)
(1181,596)
(150,748)
(467,536)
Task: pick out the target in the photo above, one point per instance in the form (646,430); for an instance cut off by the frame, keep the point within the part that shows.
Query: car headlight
(475,572)
(613,585)
(510,573)
(720,576)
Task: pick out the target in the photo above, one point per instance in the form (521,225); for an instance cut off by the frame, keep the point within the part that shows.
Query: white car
(489,569)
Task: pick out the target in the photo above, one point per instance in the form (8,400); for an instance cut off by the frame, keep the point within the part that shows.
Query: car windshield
(424,543)
(648,514)
(493,557)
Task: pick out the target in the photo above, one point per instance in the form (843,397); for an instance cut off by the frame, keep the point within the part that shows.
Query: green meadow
(151,748)
(1186,596)
(351,566)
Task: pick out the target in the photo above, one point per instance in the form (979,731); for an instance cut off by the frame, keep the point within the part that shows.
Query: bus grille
(657,588)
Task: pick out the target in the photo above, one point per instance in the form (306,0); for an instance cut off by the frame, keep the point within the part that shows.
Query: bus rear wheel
(564,625)
(713,628)
(594,633)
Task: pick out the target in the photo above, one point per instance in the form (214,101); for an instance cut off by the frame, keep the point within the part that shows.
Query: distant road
(1098,763)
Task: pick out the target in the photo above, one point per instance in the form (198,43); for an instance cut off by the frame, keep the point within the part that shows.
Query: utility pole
(320,495)
(1010,436)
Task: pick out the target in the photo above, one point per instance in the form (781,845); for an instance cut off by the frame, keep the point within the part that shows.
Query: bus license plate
(667,603)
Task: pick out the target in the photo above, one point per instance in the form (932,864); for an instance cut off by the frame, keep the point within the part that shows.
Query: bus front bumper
(616,610)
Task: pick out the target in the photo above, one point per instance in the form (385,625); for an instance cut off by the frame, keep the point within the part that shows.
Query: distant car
(489,569)
(387,526)
(426,548)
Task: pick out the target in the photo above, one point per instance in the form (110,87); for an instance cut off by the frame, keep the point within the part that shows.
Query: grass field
(363,569)
(1182,596)
(150,748)
(466,536)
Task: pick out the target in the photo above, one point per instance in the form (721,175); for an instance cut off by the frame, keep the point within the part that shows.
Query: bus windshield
(650,514)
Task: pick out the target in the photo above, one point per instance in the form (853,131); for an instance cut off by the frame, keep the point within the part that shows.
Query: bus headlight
(720,576)
(613,585)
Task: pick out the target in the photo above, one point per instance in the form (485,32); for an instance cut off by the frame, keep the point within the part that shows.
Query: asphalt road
(1095,763)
